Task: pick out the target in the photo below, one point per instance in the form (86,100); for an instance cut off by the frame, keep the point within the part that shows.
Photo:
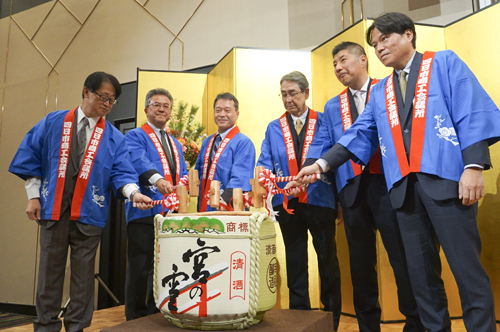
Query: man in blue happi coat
(227,156)
(158,159)
(284,151)
(69,160)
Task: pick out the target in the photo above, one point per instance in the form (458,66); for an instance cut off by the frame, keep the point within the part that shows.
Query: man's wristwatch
(132,194)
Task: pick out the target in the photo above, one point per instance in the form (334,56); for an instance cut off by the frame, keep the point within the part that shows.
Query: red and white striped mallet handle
(287,192)
(153,203)
(169,201)
(266,177)
(184,181)
(291,178)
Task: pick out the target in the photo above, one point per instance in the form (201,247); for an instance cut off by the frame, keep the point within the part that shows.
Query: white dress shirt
(362,93)
(224,134)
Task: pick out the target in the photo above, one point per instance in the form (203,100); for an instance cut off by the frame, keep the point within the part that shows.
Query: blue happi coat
(38,156)
(329,133)
(145,157)
(235,166)
(273,156)
(459,114)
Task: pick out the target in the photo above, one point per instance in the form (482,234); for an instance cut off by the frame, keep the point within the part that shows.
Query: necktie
(402,84)
(358,99)
(218,139)
(166,148)
(298,126)
(82,139)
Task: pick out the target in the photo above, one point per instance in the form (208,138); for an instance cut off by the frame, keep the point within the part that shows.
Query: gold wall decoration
(53,69)
(176,36)
(351,16)
(5,72)
(52,65)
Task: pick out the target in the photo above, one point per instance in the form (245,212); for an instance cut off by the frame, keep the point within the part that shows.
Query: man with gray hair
(283,151)
(157,157)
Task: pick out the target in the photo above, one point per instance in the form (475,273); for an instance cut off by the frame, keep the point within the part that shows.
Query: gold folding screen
(476,41)
(187,87)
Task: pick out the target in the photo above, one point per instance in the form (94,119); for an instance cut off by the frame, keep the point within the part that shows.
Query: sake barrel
(215,270)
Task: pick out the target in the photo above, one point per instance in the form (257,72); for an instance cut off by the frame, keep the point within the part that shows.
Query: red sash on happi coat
(208,175)
(167,174)
(345,111)
(293,165)
(419,118)
(85,168)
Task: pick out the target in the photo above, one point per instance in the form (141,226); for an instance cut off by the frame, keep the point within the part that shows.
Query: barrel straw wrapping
(215,270)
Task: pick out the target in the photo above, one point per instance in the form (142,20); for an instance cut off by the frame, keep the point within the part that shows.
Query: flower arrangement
(187,131)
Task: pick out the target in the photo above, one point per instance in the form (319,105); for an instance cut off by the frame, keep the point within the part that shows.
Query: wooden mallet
(183,199)
(238,199)
(215,194)
(194,183)
(258,190)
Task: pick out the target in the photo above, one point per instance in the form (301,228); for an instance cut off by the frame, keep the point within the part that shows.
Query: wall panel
(324,81)
(18,238)
(258,75)
(222,78)
(474,39)
(186,87)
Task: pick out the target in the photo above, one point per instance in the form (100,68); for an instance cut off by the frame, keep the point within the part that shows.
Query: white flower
(445,131)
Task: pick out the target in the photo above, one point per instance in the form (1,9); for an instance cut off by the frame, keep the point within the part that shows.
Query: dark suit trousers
(425,225)
(55,238)
(139,297)
(320,222)
(371,211)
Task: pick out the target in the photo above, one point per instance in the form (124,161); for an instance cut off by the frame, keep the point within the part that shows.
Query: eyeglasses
(112,101)
(157,106)
(291,94)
